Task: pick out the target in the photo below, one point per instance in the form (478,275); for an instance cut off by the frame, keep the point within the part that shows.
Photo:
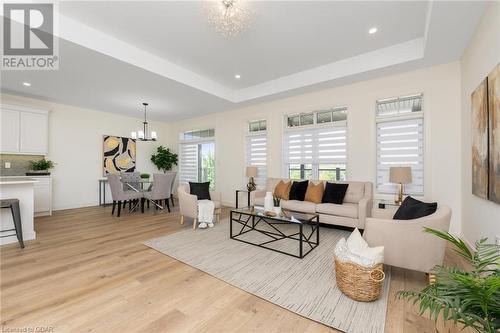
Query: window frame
(315,125)
(398,117)
(249,134)
(199,141)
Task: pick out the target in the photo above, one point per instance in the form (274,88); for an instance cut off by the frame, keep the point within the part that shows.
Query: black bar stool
(13,204)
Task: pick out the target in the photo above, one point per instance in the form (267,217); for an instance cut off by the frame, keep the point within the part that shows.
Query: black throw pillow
(413,209)
(334,193)
(298,190)
(201,190)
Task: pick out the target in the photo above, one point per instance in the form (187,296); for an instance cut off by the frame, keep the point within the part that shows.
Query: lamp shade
(400,175)
(251,171)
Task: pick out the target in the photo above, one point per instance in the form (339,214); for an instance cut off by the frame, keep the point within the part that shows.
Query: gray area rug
(305,286)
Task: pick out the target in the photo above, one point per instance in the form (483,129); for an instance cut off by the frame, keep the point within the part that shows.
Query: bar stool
(13,204)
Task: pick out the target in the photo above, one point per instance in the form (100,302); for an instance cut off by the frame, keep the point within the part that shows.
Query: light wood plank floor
(89,272)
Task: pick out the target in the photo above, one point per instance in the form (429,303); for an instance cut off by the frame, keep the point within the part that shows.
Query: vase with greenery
(41,166)
(164,159)
(470,298)
(145,175)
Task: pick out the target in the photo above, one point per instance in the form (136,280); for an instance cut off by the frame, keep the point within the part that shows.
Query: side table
(237,197)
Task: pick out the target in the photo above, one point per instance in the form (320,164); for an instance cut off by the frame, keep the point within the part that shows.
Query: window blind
(400,143)
(188,162)
(257,156)
(325,145)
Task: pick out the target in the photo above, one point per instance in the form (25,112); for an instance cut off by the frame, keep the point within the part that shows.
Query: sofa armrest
(256,194)
(365,206)
(188,204)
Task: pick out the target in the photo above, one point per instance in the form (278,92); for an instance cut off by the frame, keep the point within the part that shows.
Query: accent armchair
(406,244)
(188,204)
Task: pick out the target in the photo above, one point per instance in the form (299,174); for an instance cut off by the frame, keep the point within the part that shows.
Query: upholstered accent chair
(406,244)
(188,204)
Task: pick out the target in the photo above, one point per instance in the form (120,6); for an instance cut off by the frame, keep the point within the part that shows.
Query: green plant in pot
(164,159)
(41,166)
(470,298)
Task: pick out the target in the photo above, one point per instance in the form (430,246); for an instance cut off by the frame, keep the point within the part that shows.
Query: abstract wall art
(480,140)
(119,154)
(485,104)
(494,134)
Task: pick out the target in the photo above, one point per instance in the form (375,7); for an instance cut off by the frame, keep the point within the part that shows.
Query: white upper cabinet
(24,131)
(33,138)
(9,139)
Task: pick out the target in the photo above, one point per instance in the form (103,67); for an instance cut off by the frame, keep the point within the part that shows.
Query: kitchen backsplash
(19,164)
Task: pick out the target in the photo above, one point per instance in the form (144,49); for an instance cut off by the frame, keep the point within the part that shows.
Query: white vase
(268,202)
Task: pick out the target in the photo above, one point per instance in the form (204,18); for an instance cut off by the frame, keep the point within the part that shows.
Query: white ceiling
(116,54)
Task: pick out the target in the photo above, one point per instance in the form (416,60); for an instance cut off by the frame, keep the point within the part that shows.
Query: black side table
(248,197)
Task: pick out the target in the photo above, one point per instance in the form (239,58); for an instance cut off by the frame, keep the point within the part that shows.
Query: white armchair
(406,245)
(188,204)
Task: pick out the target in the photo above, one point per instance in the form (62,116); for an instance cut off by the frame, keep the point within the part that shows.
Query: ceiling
(114,55)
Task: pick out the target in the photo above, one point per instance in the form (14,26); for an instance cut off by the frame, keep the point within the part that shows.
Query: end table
(237,197)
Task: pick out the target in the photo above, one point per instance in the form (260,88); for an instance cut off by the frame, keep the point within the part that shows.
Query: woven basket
(359,283)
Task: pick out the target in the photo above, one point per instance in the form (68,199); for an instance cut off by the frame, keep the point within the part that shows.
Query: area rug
(305,286)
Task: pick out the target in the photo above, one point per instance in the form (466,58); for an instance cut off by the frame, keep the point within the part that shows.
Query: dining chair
(118,194)
(130,179)
(174,173)
(161,190)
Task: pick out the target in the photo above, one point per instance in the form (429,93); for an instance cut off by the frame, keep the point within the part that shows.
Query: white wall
(75,144)
(481,218)
(441,88)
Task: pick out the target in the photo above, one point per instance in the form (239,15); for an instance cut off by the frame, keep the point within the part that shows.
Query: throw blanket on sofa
(206,211)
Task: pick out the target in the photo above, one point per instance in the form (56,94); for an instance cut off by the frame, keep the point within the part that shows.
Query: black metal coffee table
(245,221)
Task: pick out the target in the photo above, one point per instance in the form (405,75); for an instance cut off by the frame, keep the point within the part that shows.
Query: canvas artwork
(494,132)
(119,154)
(480,140)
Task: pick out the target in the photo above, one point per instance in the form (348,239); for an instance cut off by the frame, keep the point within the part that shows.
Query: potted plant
(145,175)
(164,159)
(40,167)
(471,298)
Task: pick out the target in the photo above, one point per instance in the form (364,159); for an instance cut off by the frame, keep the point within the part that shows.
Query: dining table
(140,185)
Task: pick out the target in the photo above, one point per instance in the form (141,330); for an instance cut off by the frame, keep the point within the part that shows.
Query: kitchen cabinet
(42,195)
(24,130)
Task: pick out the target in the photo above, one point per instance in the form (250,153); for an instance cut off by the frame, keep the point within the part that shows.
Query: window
(256,150)
(400,141)
(315,145)
(197,157)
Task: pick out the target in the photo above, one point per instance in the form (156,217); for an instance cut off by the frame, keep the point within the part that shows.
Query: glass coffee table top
(287,216)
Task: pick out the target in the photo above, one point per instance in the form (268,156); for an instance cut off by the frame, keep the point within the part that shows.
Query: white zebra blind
(188,162)
(321,145)
(257,156)
(400,143)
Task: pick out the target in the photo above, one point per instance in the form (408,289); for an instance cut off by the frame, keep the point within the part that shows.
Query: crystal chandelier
(228,17)
(144,135)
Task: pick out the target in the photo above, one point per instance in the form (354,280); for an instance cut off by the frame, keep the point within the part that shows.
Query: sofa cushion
(355,192)
(298,190)
(334,193)
(314,192)
(345,210)
(299,206)
(413,209)
(282,190)
(258,201)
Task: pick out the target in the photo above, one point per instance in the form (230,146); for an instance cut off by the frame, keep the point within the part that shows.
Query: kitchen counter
(21,188)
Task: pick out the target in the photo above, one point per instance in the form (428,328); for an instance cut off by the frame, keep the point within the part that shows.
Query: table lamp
(250,173)
(400,175)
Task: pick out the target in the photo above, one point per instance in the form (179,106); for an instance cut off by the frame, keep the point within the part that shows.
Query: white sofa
(357,205)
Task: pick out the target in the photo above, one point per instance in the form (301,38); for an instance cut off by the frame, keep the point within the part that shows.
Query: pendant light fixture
(144,134)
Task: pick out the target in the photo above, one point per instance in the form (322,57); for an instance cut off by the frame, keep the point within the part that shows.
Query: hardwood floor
(89,272)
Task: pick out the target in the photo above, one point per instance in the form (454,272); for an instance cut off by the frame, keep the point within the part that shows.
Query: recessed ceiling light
(26,84)
(237,76)
(372,30)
